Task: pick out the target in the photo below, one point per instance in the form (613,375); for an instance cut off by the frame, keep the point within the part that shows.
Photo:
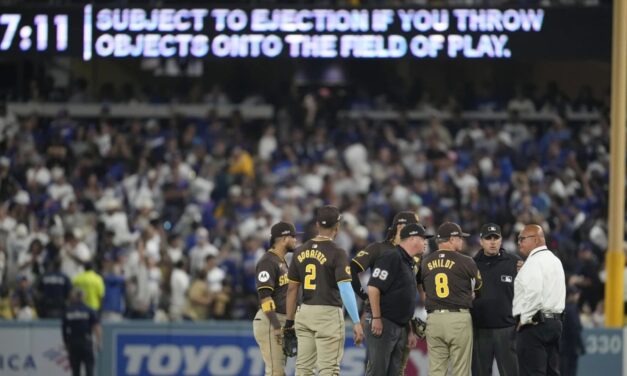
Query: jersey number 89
(441,285)
(381,274)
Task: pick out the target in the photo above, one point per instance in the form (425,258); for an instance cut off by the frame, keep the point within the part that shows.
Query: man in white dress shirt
(539,299)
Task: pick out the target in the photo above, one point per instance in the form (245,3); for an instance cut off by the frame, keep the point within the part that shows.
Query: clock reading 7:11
(26,34)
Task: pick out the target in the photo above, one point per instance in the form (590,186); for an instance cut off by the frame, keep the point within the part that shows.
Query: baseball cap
(448,229)
(282,229)
(328,215)
(414,229)
(404,218)
(490,229)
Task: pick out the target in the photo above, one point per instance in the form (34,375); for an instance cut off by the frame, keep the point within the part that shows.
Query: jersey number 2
(310,277)
(441,285)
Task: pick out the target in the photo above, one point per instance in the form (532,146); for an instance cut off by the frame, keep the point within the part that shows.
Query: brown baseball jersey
(447,278)
(367,257)
(272,274)
(318,265)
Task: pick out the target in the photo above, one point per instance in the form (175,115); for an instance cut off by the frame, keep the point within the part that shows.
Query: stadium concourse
(174,213)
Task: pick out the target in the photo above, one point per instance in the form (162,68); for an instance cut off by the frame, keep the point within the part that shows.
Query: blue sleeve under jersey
(348,298)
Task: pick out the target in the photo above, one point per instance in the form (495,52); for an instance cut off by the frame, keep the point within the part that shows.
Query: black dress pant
(491,344)
(385,353)
(81,354)
(538,348)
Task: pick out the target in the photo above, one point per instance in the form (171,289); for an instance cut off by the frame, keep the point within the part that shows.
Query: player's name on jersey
(439,263)
(314,254)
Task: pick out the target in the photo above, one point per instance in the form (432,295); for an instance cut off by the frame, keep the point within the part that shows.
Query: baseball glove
(290,343)
(419,327)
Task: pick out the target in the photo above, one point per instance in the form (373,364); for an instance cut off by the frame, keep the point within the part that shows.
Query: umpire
(392,296)
(494,334)
(78,324)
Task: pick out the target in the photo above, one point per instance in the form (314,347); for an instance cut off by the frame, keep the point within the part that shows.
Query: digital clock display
(111,32)
(39,31)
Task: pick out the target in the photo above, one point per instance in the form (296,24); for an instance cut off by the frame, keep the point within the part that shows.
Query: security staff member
(392,297)
(448,278)
(539,300)
(272,289)
(321,268)
(78,324)
(53,290)
(366,258)
(494,327)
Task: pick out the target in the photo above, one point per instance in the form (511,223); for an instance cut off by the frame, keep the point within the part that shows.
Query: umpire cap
(490,229)
(328,215)
(448,229)
(414,229)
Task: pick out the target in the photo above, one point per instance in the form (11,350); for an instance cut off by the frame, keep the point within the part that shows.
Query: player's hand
(376,327)
(358,334)
(412,340)
(519,265)
(290,342)
(278,335)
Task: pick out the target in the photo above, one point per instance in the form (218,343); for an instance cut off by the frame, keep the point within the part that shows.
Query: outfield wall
(216,348)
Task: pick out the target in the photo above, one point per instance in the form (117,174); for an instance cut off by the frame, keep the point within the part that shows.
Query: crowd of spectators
(173,215)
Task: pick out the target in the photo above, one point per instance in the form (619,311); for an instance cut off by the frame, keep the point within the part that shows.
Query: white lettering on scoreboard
(309,33)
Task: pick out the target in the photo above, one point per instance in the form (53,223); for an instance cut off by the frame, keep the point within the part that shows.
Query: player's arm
(421,293)
(349,301)
(292,296)
(343,278)
(356,269)
(419,286)
(268,307)
(292,293)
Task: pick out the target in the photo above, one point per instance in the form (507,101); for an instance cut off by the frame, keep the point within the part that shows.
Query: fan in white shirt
(539,299)
(199,252)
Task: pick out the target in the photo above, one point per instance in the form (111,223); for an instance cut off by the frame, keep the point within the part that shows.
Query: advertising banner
(32,351)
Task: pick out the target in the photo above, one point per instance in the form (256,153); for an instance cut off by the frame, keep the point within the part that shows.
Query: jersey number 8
(441,285)
(381,274)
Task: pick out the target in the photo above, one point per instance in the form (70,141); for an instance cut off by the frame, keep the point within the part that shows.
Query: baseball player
(449,278)
(321,269)
(272,290)
(366,259)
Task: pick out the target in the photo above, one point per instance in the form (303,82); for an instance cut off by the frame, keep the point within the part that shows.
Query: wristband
(374,318)
(289,324)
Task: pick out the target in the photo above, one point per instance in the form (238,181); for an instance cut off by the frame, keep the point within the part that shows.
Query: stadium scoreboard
(100,32)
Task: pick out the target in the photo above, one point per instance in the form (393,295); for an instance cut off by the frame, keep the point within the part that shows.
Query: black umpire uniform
(494,325)
(393,275)
(78,324)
